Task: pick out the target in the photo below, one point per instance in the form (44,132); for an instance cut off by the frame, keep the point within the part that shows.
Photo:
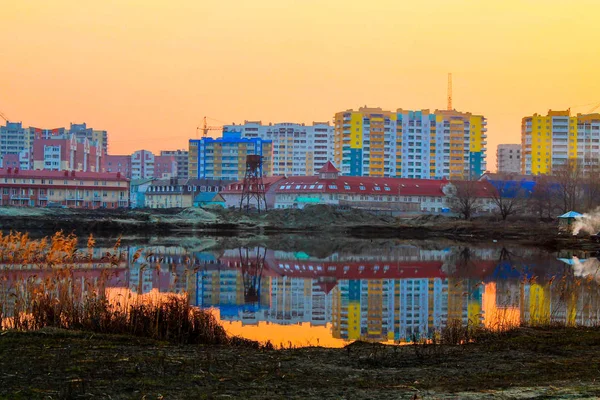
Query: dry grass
(29,302)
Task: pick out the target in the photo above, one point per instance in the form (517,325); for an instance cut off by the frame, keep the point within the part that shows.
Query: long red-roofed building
(73,189)
(372,193)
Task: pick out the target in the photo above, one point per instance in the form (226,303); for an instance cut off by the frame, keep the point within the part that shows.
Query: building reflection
(399,293)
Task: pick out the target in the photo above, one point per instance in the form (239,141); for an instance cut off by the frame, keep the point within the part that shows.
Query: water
(297,290)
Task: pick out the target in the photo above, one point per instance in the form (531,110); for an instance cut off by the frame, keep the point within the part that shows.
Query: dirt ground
(527,363)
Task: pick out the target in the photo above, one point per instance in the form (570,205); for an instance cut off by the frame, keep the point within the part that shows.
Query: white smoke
(588,222)
(589,267)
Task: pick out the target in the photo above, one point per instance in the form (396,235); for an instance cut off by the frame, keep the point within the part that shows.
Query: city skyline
(148,71)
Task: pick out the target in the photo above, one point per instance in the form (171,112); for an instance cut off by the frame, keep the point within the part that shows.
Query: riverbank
(315,220)
(526,362)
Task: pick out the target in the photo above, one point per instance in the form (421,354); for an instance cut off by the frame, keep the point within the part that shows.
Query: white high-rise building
(298,149)
(508,158)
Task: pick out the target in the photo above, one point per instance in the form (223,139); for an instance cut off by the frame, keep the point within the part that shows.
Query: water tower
(253,189)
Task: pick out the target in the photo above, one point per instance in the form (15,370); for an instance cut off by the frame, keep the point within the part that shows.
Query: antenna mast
(450,91)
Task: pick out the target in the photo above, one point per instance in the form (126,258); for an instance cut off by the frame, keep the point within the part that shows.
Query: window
(361,187)
(377,188)
(387,188)
(347,187)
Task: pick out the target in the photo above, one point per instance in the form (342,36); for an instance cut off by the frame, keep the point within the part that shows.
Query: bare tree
(543,199)
(508,196)
(463,198)
(569,179)
(591,187)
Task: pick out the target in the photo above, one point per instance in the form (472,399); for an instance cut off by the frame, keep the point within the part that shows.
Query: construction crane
(450,91)
(594,108)
(205,128)
(3,116)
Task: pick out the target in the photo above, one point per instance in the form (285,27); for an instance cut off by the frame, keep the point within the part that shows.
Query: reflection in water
(393,293)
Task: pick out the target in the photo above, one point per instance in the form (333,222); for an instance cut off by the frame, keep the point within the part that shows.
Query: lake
(299,290)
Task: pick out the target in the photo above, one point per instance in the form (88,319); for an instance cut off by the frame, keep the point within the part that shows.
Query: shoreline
(320,221)
(532,362)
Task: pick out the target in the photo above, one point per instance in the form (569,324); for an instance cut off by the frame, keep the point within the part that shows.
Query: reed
(61,300)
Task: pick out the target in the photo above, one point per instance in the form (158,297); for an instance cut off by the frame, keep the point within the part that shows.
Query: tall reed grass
(30,301)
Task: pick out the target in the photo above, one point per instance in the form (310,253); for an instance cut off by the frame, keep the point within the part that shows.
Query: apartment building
(225,158)
(81,131)
(39,188)
(181,157)
(551,140)
(14,138)
(142,164)
(298,149)
(410,144)
(118,163)
(66,153)
(508,158)
(22,160)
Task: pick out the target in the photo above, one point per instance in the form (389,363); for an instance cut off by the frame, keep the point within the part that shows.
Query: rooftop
(16,173)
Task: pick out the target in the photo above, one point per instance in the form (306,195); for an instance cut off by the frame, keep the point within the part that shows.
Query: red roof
(329,168)
(236,187)
(479,188)
(44,174)
(363,185)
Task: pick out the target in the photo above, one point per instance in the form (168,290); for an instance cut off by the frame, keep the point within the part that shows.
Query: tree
(543,199)
(591,187)
(463,198)
(508,196)
(569,180)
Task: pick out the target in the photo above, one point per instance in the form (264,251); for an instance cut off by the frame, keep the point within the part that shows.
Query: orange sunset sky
(149,70)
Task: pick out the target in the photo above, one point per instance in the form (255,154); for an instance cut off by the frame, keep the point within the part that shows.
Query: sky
(148,71)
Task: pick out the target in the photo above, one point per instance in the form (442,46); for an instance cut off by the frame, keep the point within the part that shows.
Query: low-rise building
(396,195)
(39,188)
(209,199)
(137,192)
(179,193)
(233,192)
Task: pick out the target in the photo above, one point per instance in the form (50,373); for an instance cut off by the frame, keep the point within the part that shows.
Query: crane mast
(205,128)
(450,91)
